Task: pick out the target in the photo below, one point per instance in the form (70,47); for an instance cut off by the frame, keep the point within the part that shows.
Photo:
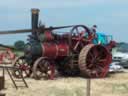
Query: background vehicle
(115,67)
(122,58)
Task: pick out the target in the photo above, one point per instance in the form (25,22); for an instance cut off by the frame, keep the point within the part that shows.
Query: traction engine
(70,53)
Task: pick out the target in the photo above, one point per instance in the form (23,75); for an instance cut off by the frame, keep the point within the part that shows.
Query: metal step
(18,80)
(12,78)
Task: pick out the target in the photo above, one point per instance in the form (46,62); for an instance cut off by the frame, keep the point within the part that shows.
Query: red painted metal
(21,65)
(94,61)
(52,68)
(111,45)
(7,54)
(48,35)
(53,50)
(63,49)
(1,58)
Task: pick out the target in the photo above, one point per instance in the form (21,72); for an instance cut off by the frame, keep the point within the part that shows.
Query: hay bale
(2,82)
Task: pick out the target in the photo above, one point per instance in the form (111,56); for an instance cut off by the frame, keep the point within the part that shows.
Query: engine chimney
(34,20)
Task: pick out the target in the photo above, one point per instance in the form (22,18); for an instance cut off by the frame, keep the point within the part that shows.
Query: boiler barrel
(50,50)
(54,50)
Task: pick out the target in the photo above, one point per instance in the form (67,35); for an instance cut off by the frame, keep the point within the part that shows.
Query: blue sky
(111,16)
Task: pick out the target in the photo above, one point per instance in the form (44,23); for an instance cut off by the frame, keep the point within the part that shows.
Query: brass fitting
(35,11)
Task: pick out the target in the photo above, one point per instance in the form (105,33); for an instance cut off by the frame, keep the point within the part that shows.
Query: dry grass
(115,85)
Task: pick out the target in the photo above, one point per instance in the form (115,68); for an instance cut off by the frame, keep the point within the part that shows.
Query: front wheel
(42,68)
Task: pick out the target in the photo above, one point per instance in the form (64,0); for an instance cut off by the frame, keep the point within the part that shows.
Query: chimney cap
(35,11)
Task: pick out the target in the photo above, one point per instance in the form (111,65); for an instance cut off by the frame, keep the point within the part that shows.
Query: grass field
(114,85)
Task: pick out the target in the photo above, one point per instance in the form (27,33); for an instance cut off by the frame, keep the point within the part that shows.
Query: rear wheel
(94,61)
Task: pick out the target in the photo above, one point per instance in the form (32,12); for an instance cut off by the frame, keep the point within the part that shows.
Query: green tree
(19,45)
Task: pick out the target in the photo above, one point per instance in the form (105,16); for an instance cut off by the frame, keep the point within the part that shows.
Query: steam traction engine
(70,53)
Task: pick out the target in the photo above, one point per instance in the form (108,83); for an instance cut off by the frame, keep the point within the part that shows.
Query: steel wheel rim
(95,62)
(41,68)
(98,61)
(21,65)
